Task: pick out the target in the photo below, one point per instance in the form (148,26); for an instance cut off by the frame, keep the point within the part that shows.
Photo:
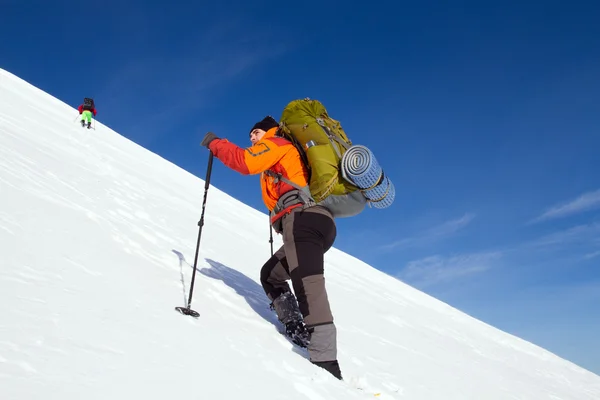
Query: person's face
(256,135)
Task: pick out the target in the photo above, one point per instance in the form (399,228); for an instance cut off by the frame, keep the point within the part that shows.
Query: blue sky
(485,116)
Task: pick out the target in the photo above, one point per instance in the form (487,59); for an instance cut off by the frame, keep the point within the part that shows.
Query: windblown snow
(97,241)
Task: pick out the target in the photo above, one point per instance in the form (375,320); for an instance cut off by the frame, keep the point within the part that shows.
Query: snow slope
(97,242)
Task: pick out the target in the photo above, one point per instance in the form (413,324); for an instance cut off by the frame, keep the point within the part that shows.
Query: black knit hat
(267,123)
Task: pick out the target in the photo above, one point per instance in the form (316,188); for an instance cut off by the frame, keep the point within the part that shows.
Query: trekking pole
(187,310)
(271,236)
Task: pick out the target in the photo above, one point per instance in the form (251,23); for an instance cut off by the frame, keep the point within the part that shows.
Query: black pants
(307,235)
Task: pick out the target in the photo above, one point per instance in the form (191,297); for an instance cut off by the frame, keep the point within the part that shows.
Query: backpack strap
(279,177)
(332,136)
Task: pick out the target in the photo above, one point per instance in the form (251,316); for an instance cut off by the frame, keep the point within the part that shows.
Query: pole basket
(188,311)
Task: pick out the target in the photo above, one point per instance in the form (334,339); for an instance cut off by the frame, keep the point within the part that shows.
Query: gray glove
(209,137)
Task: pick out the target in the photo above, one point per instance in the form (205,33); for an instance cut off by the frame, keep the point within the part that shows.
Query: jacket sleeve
(80,108)
(252,160)
(95,112)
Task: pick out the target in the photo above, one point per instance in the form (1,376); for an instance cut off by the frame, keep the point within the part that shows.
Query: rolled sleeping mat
(382,195)
(360,167)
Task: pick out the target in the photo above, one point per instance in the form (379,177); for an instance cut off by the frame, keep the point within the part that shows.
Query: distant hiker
(85,110)
(308,232)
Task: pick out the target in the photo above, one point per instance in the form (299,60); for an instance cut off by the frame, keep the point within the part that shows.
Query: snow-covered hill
(97,242)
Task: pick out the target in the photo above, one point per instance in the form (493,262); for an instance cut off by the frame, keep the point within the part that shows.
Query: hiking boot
(286,307)
(333,367)
(288,313)
(296,330)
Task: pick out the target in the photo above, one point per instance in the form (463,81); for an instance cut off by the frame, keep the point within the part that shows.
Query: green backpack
(322,142)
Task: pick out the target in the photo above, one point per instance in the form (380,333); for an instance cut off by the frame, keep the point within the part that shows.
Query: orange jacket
(270,153)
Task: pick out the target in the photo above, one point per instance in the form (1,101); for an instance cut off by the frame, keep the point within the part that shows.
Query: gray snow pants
(307,235)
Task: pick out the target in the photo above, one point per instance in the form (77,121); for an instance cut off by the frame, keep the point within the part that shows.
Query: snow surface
(97,241)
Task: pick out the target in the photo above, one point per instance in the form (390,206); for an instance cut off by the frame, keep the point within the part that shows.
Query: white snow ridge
(97,243)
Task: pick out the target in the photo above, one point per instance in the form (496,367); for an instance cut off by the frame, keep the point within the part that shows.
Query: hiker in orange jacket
(308,232)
